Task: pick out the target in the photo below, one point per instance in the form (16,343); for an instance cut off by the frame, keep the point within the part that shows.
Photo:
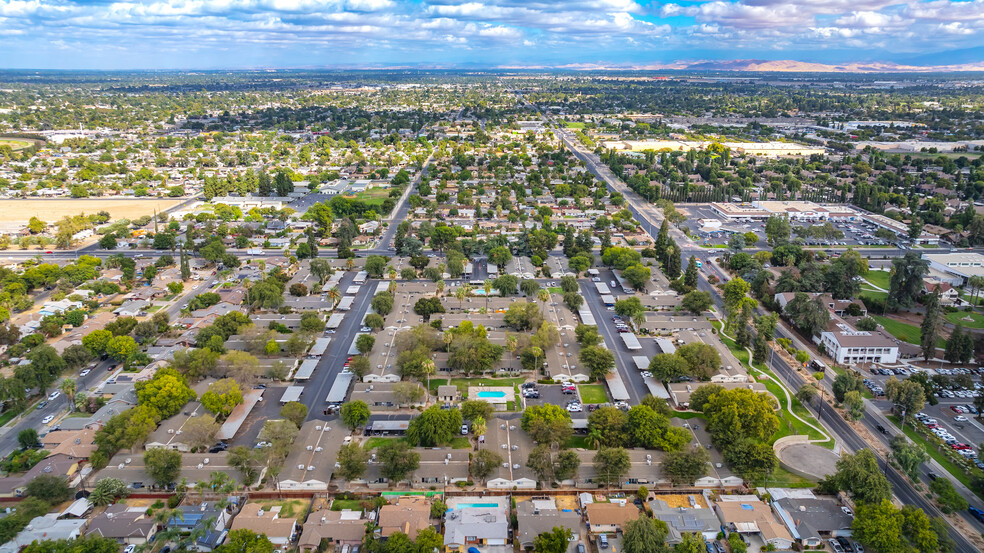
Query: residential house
(753,519)
(132,308)
(254,517)
(206,517)
(409,515)
(44,528)
(76,444)
(125,525)
(447,394)
(810,519)
(472,521)
(345,527)
(609,518)
(948,294)
(540,516)
(697,519)
(58,465)
(311,463)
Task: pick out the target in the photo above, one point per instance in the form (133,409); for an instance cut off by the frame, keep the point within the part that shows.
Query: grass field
(460,442)
(593,393)
(573,125)
(52,210)
(289,508)
(14,143)
(342,504)
(373,443)
(879,278)
(373,196)
(577,442)
(959,317)
(903,331)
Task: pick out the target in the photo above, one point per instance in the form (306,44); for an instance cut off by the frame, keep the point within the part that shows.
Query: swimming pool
(481,292)
(490,393)
(475,505)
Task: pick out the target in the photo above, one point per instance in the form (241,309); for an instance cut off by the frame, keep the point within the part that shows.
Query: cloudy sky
(152,34)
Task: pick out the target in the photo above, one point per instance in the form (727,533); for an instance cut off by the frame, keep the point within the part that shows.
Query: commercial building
(958,266)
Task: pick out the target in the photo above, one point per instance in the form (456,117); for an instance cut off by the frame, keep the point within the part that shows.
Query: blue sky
(189,34)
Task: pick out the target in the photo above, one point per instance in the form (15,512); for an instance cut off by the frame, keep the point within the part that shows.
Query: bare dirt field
(12,211)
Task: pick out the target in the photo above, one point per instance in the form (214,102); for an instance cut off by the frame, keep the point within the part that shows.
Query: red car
(49,251)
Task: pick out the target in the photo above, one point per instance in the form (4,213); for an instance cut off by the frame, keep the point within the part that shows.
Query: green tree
(686,466)
(645,535)
(295,412)
(854,404)
(947,496)
(434,427)
(703,359)
(484,462)
(860,476)
(354,460)
(364,343)
(611,464)
(846,382)
(907,396)
(167,392)
(931,325)
(908,455)
(696,301)
(547,424)
(97,340)
(355,414)
(599,361)
(28,438)
(245,541)
(51,488)
(107,491)
(397,460)
(610,423)
(738,414)
(122,348)
(554,541)
(162,465)
(222,397)
(692,275)
(906,281)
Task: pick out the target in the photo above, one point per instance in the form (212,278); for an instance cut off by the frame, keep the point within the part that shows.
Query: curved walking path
(789,399)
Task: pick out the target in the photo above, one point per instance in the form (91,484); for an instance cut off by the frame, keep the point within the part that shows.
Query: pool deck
(508,394)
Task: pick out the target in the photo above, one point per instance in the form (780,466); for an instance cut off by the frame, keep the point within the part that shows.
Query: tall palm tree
(68,388)
(487,285)
(440,287)
(448,339)
(334,294)
(595,438)
(349,264)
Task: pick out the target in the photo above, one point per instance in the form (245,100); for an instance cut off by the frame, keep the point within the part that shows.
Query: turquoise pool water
(492,393)
(475,505)
(481,292)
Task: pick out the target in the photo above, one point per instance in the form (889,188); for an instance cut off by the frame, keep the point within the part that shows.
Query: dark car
(881,429)
(976,513)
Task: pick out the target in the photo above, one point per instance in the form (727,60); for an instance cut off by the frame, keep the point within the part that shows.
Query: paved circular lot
(810,459)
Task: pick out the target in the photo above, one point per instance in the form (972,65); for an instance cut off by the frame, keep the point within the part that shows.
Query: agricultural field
(13,211)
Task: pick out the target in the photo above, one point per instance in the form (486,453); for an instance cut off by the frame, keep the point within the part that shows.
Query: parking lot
(856,233)
(553,394)
(953,417)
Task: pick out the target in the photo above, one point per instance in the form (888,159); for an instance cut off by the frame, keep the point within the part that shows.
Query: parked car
(464,429)
(47,419)
(85,372)
(54,395)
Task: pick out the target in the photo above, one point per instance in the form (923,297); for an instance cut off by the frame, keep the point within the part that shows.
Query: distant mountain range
(790,66)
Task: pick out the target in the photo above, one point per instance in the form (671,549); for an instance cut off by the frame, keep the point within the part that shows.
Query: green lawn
(464,383)
(593,393)
(944,461)
(873,294)
(573,125)
(577,442)
(342,504)
(296,508)
(555,290)
(460,442)
(904,331)
(878,278)
(374,442)
(373,196)
(958,318)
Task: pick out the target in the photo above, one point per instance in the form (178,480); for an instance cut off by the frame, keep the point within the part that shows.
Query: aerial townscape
(472,306)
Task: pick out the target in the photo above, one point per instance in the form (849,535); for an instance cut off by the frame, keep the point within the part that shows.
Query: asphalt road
(631,377)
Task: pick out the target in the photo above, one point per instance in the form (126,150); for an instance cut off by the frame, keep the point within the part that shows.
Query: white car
(54,395)
(647,374)
(47,419)
(574,407)
(960,418)
(85,372)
